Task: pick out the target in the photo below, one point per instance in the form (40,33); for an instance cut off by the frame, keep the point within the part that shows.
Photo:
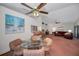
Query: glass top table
(30,45)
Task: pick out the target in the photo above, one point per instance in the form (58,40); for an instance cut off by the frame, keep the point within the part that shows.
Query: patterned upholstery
(15,47)
(39,52)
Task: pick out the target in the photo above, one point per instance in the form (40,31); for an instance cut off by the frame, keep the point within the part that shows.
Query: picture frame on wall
(13,24)
(34,28)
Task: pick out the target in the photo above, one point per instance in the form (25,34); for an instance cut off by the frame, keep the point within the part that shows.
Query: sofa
(59,33)
(68,36)
(64,34)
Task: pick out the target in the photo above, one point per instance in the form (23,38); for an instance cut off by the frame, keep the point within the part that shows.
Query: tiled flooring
(60,47)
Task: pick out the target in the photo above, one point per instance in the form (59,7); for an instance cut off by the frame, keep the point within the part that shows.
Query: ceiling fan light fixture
(35,13)
(36,10)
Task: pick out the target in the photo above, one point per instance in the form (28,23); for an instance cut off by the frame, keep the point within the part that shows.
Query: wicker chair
(15,47)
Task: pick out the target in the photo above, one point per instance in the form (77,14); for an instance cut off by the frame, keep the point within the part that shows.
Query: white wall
(76,22)
(6,38)
(45,20)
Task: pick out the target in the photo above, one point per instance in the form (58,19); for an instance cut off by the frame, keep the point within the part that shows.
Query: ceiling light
(54,29)
(69,30)
(36,13)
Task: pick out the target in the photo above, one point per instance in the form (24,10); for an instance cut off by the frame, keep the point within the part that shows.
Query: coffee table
(33,49)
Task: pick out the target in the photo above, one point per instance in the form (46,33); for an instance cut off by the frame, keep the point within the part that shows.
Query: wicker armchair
(15,47)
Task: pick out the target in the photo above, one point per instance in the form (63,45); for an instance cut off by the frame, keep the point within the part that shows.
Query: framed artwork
(34,28)
(13,24)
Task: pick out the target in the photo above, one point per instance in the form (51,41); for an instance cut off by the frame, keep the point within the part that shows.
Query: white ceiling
(63,12)
(66,15)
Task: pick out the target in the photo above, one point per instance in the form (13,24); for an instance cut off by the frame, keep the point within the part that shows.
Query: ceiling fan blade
(26,5)
(43,12)
(30,12)
(41,5)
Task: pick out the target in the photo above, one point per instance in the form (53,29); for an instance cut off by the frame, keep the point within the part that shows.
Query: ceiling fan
(36,10)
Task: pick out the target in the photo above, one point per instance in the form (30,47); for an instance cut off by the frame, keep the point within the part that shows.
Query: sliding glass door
(76,31)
